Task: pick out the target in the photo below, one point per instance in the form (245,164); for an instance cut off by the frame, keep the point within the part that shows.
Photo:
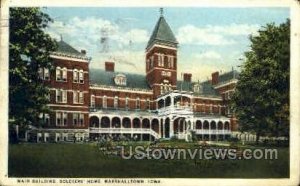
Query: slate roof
(207,88)
(65,48)
(162,33)
(102,77)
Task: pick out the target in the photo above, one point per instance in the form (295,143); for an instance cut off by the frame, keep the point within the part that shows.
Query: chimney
(215,78)
(109,66)
(187,77)
(83,52)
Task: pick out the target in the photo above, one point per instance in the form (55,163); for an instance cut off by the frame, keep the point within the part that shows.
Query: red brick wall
(69,86)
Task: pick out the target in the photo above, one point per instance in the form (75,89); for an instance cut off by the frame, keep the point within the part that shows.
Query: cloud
(86,33)
(214,35)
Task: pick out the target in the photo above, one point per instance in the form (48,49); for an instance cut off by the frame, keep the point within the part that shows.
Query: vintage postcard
(150,93)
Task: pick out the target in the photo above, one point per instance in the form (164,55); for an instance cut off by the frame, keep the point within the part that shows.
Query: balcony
(175,110)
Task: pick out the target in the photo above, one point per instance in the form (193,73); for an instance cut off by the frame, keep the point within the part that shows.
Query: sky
(210,39)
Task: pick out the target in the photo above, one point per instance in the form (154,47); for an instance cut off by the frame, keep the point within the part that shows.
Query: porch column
(171,128)
(209,131)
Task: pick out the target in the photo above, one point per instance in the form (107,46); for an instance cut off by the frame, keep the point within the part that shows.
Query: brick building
(92,103)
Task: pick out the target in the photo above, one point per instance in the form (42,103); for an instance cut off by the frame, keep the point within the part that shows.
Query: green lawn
(86,160)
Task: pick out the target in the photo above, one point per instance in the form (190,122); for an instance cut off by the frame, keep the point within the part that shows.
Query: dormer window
(120,79)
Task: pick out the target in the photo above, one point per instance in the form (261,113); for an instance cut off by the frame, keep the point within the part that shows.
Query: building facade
(92,103)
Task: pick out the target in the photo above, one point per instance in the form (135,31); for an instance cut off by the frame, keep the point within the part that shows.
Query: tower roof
(162,34)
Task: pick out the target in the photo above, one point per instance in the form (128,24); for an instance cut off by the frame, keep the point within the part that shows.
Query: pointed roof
(162,34)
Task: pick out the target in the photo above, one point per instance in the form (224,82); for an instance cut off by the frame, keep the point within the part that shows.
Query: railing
(175,110)
(207,131)
(124,130)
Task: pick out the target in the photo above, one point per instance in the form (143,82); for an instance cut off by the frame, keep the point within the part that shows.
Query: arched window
(58,74)
(64,74)
(81,76)
(75,75)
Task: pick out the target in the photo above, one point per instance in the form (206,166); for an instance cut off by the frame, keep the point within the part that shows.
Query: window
(138,103)
(126,102)
(64,95)
(81,119)
(75,118)
(161,89)
(75,76)
(75,97)
(65,119)
(170,61)
(58,119)
(81,76)
(161,60)
(93,101)
(151,62)
(47,119)
(81,97)
(120,79)
(46,74)
(78,119)
(116,102)
(58,74)
(64,74)
(61,96)
(104,102)
(148,104)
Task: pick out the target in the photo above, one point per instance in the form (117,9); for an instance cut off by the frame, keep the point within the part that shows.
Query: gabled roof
(64,47)
(162,33)
(102,77)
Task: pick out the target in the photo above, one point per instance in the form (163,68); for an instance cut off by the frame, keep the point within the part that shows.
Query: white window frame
(116,100)
(104,102)
(75,76)
(64,96)
(46,74)
(93,101)
(81,98)
(58,119)
(75,119)
(81,76)
(65,119)
(138,103)
(58,74)
(81,119)
(64,74)
(58,96)
(126,102)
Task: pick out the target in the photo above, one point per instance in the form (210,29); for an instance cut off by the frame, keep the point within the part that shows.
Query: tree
(29,50)
(261,99)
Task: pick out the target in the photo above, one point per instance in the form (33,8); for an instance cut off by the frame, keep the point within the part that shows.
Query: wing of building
(93,103)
